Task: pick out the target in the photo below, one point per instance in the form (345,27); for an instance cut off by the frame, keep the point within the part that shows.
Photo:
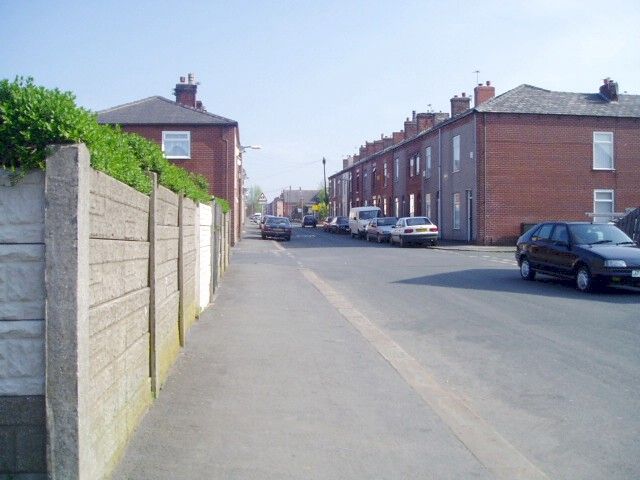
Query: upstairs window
(411,166)
(603,150)
(385,173)
(176,144)
(397,169)
(427,167)
(418,164)
(456,153)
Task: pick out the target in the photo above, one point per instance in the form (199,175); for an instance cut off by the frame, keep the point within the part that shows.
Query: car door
(395,231)
(560,255)
(539,248)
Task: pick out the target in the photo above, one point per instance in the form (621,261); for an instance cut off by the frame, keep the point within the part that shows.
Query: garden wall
(106,281)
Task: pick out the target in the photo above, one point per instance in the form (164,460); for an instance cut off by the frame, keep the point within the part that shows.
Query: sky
(311,79)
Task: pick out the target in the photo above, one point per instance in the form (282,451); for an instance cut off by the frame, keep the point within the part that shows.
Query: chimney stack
(483,93)
(459,104)
(425,121)
(411,126)
(398,136)
(609,90)
(186,92)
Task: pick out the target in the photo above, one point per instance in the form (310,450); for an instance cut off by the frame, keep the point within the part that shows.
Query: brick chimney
(483,93)
(398,137)
(411,126)
(425,121)
(369,148)
(378,145)
(609,90)
(459,104)
(186,92)
(387,142)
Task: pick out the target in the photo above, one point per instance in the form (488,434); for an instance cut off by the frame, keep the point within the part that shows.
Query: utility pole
(324,171)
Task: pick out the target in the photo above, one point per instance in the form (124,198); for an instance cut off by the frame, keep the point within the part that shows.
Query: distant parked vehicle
(414,230)
(339,225)
(592,254)
(326,222)
(359,218)
(309,221)
(379,229)
(277,227)
(264,219)
(255,218)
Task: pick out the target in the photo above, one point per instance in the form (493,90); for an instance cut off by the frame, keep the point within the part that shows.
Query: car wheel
(288,239)
(264,237)
(526,271)
(584,280)
(353,235)
(378,238)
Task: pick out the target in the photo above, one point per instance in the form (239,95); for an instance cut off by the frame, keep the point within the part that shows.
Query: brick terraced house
(485,172)
(192,138)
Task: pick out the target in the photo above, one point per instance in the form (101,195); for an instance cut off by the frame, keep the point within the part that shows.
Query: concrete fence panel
(22,326)
(205,217)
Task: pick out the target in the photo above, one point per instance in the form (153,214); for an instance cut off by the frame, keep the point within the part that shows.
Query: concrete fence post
(196,226)
(214,257)
(181,273)
(153,248)
(67,190)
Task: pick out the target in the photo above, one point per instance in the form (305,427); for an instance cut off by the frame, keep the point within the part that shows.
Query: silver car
(380,228)
(414,230)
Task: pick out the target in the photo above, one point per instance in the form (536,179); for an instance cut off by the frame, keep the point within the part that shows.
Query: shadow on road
(509,281)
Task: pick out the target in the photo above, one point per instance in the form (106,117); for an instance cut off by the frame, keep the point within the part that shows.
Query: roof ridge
(129,104)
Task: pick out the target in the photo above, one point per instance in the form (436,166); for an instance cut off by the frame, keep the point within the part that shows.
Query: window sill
(178,158)
(603,169)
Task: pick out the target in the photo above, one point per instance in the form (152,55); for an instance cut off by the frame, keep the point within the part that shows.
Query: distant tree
(322,208)
(252,200)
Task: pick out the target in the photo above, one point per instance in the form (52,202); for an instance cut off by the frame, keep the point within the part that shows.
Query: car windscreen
(367,214)
(417,221)
(281,222)
(594,234)
(387,221)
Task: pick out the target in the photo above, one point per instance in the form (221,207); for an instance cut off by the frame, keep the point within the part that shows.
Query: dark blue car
(592,254)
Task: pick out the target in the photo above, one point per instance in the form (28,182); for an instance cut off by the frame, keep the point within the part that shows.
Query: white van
(359,218)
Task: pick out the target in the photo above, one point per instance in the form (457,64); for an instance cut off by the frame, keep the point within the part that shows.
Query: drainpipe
(440,196)
(484,124)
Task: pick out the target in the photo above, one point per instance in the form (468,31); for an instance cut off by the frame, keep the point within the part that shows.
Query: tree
(252,201)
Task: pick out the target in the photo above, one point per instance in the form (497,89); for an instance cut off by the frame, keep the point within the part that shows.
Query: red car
(277,227)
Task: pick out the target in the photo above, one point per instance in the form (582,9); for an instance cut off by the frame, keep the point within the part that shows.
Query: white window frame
(417,164)
(411,166)
(596,200)
(597,143)
(187,134)
(396,169)
(456,153)
(456,211)
(427,167)
(385,174)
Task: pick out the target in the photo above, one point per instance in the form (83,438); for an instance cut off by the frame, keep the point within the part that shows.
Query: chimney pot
(464,94)
(182,79)
(191,78)
(488,83)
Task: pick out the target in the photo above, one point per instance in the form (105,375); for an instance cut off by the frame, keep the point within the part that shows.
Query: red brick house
(192,138)
(527,155)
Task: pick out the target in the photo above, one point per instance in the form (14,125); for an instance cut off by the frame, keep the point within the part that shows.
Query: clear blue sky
(312,79)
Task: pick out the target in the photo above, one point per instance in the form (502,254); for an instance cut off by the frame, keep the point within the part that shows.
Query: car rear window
(387,221)
(417,221)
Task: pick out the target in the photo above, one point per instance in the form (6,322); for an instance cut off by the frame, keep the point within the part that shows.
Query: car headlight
(615,263)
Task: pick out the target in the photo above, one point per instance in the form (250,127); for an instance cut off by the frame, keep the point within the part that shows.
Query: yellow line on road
(479,437)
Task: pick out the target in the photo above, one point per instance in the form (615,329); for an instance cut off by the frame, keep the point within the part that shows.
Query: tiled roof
(534,100)
(159,110)
(294,195)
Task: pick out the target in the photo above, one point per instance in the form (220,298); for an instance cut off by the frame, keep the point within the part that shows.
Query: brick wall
(539,167)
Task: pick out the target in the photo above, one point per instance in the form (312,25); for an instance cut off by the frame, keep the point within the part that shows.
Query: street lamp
(324,170)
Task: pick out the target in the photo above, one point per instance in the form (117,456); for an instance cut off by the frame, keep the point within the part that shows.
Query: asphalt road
(555,372)
(328,357)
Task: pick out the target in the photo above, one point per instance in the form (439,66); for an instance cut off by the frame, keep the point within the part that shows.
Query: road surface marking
(479,437)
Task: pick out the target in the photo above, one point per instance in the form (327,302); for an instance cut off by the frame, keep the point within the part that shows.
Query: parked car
(359,218)
(277,227)
(263,220)
(339,225)
(414,230)
(309,221)
(380,228)
(255,218)
(326,222)
(592,254)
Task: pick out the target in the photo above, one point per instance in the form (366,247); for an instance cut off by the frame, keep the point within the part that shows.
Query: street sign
(262,199)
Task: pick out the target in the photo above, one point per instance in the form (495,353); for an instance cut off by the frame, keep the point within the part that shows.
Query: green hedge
(32,118)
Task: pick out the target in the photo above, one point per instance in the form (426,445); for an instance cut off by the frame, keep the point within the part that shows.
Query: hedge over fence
(33,117)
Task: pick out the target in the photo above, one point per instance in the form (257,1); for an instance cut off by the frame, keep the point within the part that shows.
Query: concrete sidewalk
(274,383)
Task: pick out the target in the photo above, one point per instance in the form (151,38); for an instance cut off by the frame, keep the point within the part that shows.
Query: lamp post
(324,171)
